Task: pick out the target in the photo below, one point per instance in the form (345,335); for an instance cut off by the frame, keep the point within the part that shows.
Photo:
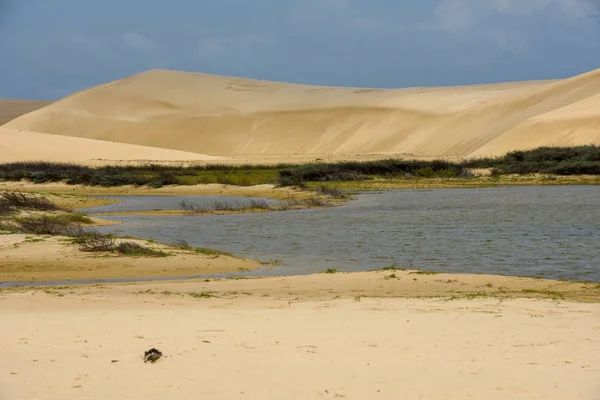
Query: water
(550,232)
(152,203)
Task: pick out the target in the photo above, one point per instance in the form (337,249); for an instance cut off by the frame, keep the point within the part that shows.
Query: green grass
(211,252)
(74,217)
(474,295)
(330,271)
(134,249)
(544,160)
(183,245)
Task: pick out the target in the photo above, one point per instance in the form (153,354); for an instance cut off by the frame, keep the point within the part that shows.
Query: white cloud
(458,16)
(79,39)
(217,47)
(511,42)
(453,16)
(137,41)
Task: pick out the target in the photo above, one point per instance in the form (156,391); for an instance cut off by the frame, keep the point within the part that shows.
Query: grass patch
(184,245)
(548,161)
(134,249)
(44,225)
(25,201)
(154,175)
(202,295)
(211,252)
(549,293)
(391,268)
(330,271)
(474,295)
(423,272)
(331,192)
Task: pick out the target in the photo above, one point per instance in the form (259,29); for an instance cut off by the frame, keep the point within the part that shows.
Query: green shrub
(137,250)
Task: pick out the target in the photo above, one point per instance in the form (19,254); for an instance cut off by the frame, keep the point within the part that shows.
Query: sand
(214,189)
(11,109)
(36,258)
(22,145)
(88,343)
(248,120)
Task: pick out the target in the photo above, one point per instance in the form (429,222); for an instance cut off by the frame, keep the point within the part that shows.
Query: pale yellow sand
(259,121)
(20,145)
(26,258)
(88,344)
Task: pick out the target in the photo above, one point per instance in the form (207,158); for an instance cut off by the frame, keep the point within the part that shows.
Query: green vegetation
(544,160)
(134,249)
(357,171)
(44,225)
(183,245)
(202,295)
(152,175)
(16,201)
(424,273)
(549,293)
(330,271)
(579,160)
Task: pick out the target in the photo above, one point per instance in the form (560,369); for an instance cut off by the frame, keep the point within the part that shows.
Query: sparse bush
(331,192)
(27,201)
(5,208)
(44,225)
(137,250)
(225,206)
(182,244)
(260,204)
(93,241)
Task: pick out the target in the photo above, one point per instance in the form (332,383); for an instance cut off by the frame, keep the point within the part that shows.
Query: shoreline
(404,284)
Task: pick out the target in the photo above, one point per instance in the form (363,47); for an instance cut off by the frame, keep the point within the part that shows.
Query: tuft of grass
(331,192)
(202,295)
(184,245)
(211,252)
(549,293)
(93,241)
(330,271)
(392,268)
(134,249)
(475,295)
(423,272)
(26,201)
(44,225)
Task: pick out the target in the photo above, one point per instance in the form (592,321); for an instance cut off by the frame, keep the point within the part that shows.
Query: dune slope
(219,115)
(11,109)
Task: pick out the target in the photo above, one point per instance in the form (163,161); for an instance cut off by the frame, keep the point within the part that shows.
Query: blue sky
(51,48)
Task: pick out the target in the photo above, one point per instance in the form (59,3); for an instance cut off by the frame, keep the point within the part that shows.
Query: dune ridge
(225,116)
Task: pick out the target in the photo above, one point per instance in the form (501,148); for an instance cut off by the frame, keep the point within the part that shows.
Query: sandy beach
(261,339)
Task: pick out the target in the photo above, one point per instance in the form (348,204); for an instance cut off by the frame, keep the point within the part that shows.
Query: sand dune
(219,115)
(19,145)
(11,109)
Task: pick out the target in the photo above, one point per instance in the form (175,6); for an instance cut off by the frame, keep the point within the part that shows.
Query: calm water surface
(551,232)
